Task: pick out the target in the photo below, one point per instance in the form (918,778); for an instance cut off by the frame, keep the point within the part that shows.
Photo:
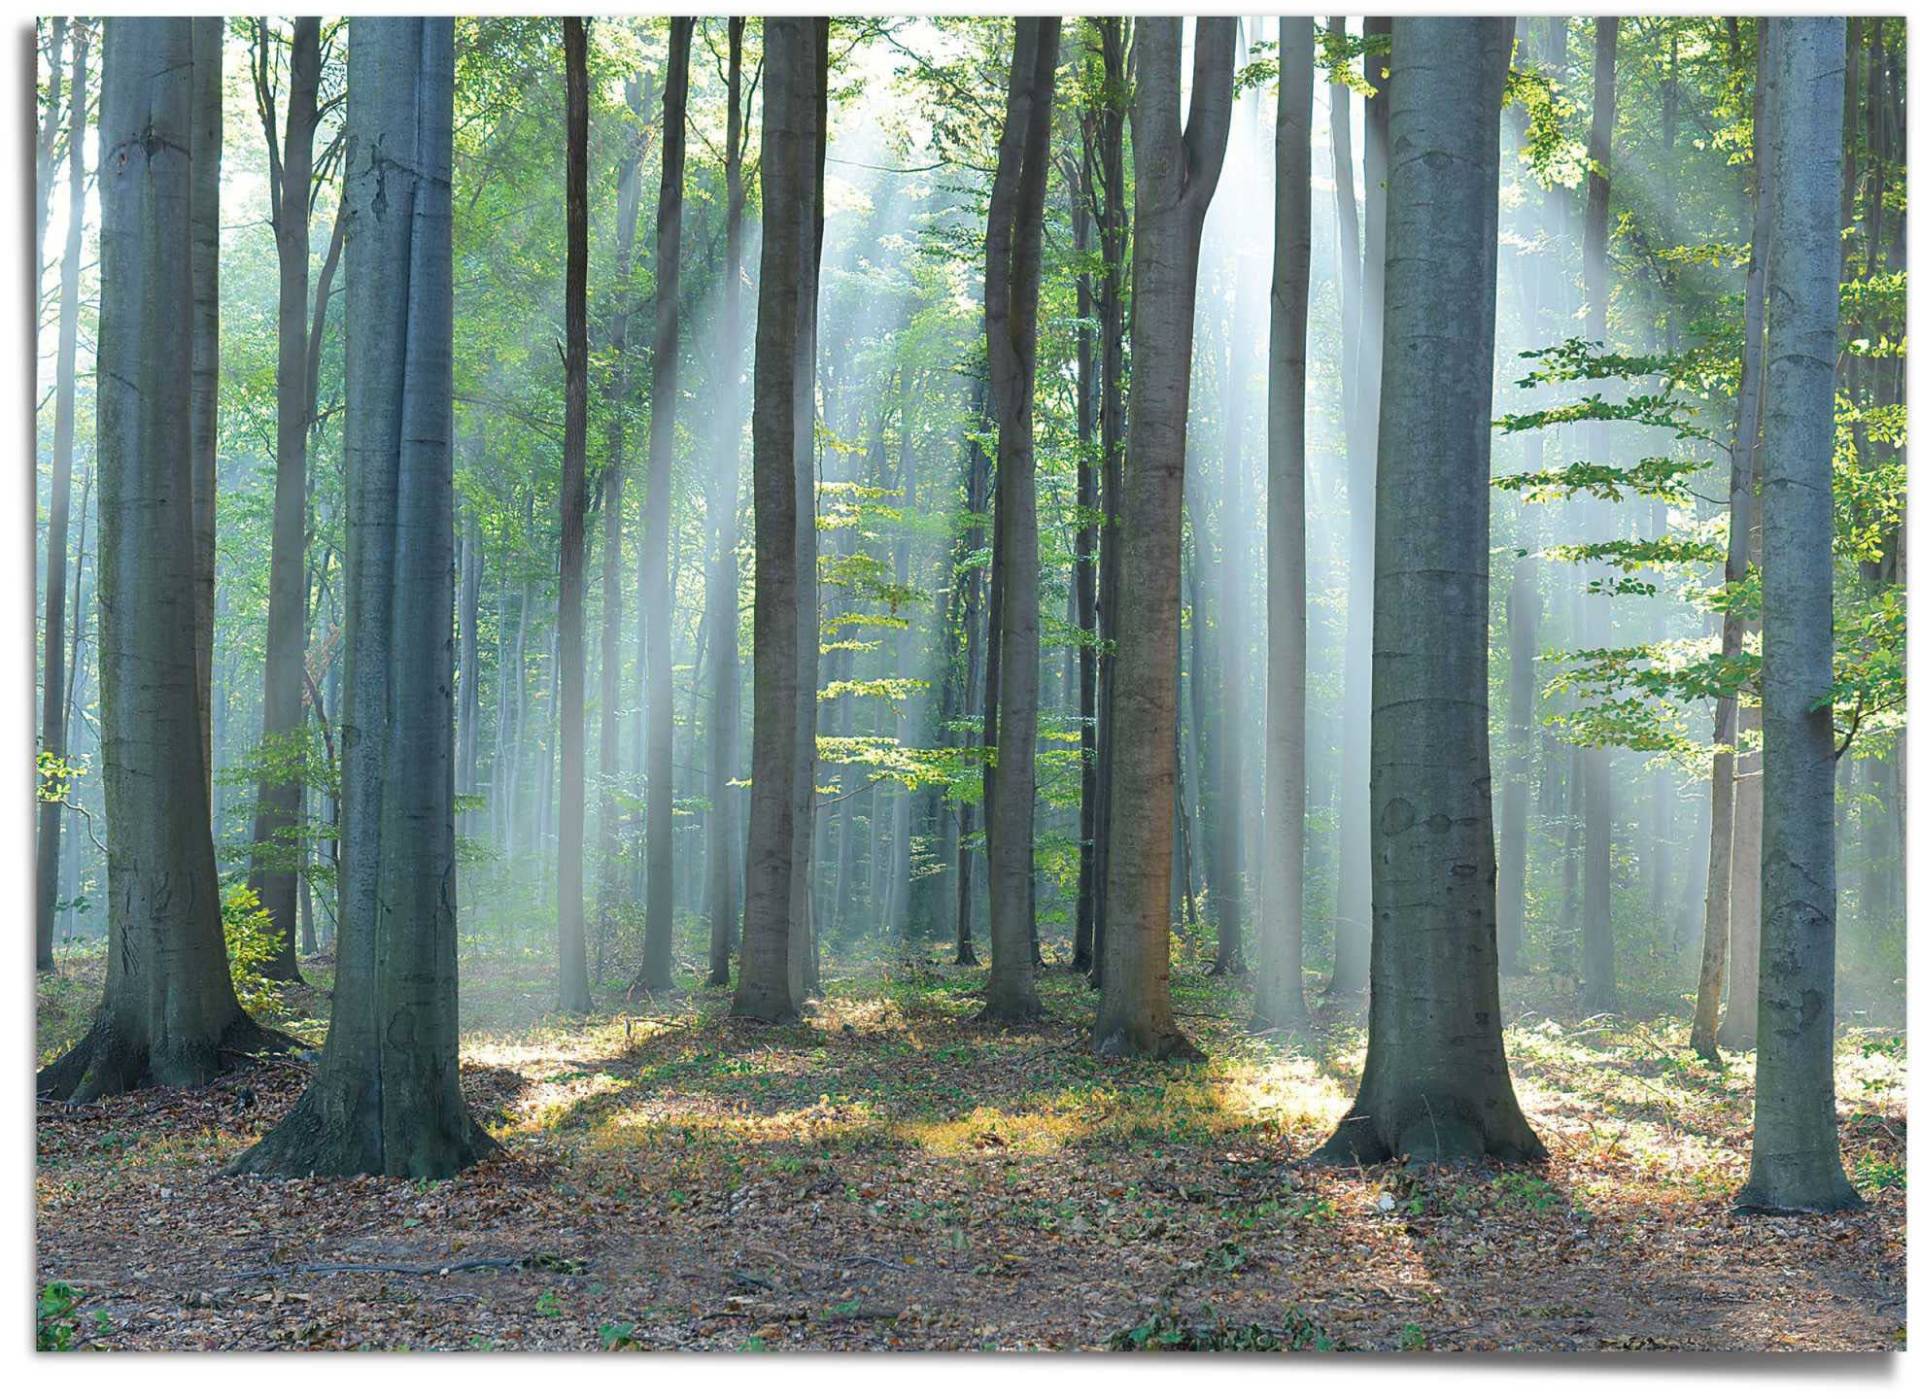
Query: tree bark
(168,1015)
(1176,172)
(1796,1166)
(385,1098)
(573,994)
(656,968)
(972,541)
(1280,1003)
(1435,1085)
(1085,536)
(53,675)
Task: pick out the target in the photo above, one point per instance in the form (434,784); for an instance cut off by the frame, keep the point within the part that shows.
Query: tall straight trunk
(208,134)
(1016,224)
(51,55)
(1280,1003)
(1087,501)
(573,995)
(1176,172)
(723,585)
(273,871)
(1796,1166)
(612,528)
(790,132)
(1435,1085)
(467,716)
(973,624)
(168,1014)
(1107,155)
(385,1098)
(656,967)
(900,844)
(1353,918)
(53,674)
(1723,797)
(1598,988)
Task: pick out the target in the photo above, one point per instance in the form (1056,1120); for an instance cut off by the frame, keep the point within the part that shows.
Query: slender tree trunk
(168,1015)
(573,995)
(44,166)
(1280,1003)
(973,540)
(1435,1085)
(1796,1165)
(1087,500)
(466,758)
(1176,172)
(54,683)
(386,1098)
(782,418)
(273,871)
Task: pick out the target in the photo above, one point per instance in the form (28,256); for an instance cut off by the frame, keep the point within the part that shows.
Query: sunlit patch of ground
(892,1174)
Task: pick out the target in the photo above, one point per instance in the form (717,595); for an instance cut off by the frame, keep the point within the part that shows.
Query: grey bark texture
(1796,1165)
(385,1098)
(1435,1085)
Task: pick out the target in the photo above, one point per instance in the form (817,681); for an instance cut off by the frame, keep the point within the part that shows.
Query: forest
(970,683)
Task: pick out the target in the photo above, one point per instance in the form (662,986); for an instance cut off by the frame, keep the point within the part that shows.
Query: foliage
(251,945)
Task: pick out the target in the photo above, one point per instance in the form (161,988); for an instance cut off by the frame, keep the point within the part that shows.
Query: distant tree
(1016,224)
(168,1014)
(1796,1166)
(385,1098)
(1435,1085)
(1175,174)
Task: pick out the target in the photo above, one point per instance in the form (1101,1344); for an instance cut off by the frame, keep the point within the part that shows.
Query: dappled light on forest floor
(889,1173)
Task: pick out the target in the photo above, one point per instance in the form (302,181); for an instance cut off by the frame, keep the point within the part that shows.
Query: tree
(1705,1032)
(385,1098)
(1796,1166)
(723,584)
(208,137)
(656,968)
(53,697)
(1598,989)
(168,1015)
(274,870)
(1016,226)
(1280,1003)
(573,546)
(782,435)
(1435,1085)
(1175,174)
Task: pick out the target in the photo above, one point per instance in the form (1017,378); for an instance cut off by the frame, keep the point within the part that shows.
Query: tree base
(1428,1131)
(1133,1042)
(965,956)
(1024,1012)
(1790,1186)
(720,977)
(1291,1024)
(335,1130)
(1228,966)
(105,1062)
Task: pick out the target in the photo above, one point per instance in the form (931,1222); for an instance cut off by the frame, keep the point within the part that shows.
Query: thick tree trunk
(273,871)
(573,995)
(208,41)
(168,1015)
(1353,918)
(1176,173)
(1281,1003)
(385,1099)
(53,676)
(1016,223)
(656,968)
(782,430)
(1435,1085)
(723,585)
(1796,1165)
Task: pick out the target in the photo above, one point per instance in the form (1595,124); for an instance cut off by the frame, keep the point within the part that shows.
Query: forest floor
(891,1175)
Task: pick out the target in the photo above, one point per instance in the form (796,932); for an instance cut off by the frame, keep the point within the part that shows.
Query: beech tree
(1176,170)
(168,1014)
(1016,224)
(1796,1166)
(385,1097)
(1435,1085)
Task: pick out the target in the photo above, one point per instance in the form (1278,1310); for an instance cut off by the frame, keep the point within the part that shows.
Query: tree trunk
(573,995)
(54,682)
(1176,173)
(467,720)
(972,702)
(782,435)
(168,1015)
(209,40)
(273,871)
(1087,501)
(385,1099)
(1435,1085)
(1353,918)
(1796,1166)
(723,587)
(656,968)
(1016,221)
(1280,1003)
